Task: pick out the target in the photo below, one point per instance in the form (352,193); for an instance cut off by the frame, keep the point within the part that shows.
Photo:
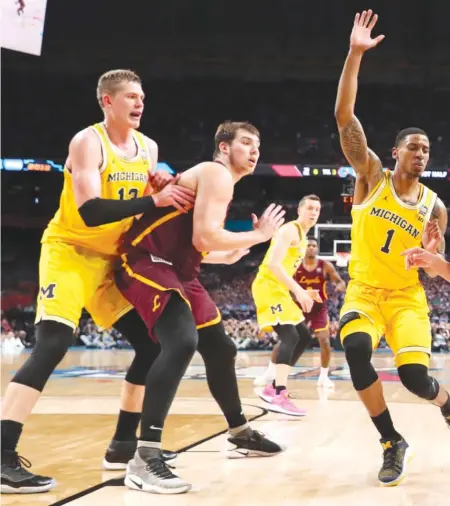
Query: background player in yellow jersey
(273,291)
(390,214)
(106,175)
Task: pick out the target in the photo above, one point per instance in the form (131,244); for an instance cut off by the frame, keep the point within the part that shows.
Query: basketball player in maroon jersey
(161,255)
(312,274)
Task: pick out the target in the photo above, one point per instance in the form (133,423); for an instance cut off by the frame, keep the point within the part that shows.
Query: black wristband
(95,212)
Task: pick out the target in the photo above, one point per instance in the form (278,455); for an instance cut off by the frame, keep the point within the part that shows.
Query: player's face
(309,212)
(311,249)
(244,151)
(126,106)
(413,154)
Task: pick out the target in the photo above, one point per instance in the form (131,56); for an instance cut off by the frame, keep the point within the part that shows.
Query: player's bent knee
(416,379)
(213,341)
(52,342)
(358,352)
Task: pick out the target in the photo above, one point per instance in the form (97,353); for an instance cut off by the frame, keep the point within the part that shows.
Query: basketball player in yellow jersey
(391,213)
(106,174)
(275,306)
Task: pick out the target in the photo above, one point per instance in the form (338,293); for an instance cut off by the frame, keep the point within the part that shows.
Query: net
(342,258)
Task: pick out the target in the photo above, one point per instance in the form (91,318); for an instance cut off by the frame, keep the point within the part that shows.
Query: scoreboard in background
(41,165)
(262,169)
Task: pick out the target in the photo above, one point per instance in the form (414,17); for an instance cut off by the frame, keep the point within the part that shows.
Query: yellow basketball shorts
(274,305)
(72,277)
(400,315)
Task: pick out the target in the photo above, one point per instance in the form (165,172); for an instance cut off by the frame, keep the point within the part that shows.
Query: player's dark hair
(401,136)
(226,132)
(313,239)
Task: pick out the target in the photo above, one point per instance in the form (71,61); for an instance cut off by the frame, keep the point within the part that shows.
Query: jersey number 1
(387,244)
(132,194)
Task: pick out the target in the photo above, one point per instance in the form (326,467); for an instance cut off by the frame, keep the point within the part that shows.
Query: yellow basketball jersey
(121,178)
(383,227)
(292,260)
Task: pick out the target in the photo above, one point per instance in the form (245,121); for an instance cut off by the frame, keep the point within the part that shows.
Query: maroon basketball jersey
(165,234)
(314,280)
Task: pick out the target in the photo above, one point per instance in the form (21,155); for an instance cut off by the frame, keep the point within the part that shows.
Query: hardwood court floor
(333,453)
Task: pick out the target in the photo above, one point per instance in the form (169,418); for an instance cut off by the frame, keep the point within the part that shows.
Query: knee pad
(52,342)
(213,341)
(137,372)
(289,338)
(416,379)
(358,352)
(304,334)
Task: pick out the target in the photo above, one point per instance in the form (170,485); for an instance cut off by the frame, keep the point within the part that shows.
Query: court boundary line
(119,482)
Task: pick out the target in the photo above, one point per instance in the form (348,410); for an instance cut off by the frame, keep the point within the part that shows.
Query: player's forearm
(96,212)
(439,267)
(280,273)
(348,87)
(216,257)
(223,240)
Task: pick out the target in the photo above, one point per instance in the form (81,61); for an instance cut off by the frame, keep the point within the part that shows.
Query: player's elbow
(89,213)
(274,266)
(343,115)
(201,241)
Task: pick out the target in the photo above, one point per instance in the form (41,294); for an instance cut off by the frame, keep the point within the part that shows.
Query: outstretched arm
(433,239)
(353,139)
(214,194)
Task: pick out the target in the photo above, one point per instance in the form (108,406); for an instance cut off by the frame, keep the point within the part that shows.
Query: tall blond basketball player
(106,174)
(392,212)
(274,290)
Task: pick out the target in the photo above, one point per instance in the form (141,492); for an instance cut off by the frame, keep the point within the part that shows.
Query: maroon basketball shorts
(317,318)
(148,285)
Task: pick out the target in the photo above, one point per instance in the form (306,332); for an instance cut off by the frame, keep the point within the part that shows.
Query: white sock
(324,372)
(271,370)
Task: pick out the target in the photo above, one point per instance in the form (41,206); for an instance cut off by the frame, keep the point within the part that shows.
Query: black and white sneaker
(254,444)
(119,453)
(154,476)
(16,479)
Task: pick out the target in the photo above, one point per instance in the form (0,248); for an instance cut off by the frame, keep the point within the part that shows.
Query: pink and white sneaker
(282,404)
(268,393)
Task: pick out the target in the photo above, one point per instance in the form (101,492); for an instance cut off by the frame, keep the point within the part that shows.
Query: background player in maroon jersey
(161,254)
(312,274)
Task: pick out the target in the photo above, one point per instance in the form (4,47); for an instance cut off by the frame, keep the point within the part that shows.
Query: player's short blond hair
(110,82)
(308,197)
(226,132)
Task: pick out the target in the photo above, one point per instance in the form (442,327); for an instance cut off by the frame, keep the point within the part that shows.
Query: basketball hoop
(342,258)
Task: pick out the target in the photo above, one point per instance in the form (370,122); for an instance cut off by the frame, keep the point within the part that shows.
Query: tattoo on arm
(354,143)
(439,213)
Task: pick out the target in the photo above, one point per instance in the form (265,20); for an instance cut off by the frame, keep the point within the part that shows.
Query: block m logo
(276,309)
(47,292)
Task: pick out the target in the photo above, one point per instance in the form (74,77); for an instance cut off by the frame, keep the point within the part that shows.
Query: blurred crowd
(229,286)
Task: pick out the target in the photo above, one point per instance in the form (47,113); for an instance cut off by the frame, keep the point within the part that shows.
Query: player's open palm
(176,196)
(270,221)
(361,36)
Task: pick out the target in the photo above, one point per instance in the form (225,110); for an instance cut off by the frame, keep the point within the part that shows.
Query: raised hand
(360,37)
(270,221)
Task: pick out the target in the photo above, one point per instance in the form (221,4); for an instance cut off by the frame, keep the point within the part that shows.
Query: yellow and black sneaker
(396,455)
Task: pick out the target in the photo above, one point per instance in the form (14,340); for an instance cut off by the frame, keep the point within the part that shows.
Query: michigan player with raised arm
(276,292)
(106,175)
(392,212)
